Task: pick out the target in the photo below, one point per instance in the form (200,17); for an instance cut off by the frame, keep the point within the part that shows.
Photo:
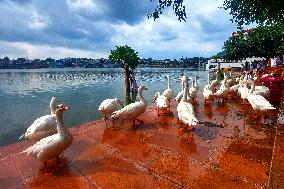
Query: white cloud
(89,7)
(91,28)
(44,51)
(187,37)
(38,21)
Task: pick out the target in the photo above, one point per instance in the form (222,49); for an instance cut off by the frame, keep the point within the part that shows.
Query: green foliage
(216,57)
(220,75)
(255,11)
(263,41)
(130,60)
(126,54)
(177,5)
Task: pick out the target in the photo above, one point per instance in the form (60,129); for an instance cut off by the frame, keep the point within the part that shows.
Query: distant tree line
(25,63)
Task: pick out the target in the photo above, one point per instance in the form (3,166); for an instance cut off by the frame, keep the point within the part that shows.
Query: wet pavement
(231,148)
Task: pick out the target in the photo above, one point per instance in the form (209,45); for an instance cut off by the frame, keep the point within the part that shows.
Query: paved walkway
(230,149)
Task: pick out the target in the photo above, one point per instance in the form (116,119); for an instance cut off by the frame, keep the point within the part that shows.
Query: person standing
(133,86)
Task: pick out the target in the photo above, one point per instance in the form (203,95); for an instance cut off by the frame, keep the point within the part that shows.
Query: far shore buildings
(25,63)
(212,64)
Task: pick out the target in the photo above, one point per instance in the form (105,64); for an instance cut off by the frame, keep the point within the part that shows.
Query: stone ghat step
(229,149)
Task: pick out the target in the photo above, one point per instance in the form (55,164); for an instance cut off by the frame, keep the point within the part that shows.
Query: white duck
(43,126)
(133,110)
(207,92)
(108,106)
(214,84)
(234,88)
(258,102)
(193,91)
(179,95)
(169,93)
(196,84)
(222,83)
(238,79)
(185,109)
(222,93)
(231,81)
(52,146)
(262,90)
(244,91)
(162,102)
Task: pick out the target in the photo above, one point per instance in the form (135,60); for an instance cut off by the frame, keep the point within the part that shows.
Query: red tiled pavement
(229,149)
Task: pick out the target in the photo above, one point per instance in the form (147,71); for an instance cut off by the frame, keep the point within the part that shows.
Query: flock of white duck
(53,137)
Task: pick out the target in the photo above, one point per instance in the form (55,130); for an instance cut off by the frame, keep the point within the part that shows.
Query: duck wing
(186,113)
(42,127)
(130,111)
(162,102)
(259,102)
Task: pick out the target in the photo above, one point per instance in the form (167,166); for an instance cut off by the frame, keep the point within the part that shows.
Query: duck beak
(146,88)
(63,107)
(66,108)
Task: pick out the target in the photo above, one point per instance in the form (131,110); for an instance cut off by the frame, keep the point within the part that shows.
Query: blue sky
(91,28)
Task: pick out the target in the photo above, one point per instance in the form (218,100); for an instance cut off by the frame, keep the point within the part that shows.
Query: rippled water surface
(25,94)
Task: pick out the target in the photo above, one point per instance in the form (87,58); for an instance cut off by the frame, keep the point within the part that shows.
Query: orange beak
(63,107)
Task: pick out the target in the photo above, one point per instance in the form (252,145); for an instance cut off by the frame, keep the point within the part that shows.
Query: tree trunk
(127,84)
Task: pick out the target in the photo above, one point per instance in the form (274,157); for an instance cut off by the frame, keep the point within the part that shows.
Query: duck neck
(169,84)
(61,129)
(208,79)
(252,88)
(52,108)
(141,97)
(225,82)
(184,97)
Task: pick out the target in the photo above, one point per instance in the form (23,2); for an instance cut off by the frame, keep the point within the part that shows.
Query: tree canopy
(125,54)
(130,60)
(255,11)
(177,6)
(263,41)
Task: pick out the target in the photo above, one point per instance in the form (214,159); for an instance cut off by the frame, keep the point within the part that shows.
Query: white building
(212,64)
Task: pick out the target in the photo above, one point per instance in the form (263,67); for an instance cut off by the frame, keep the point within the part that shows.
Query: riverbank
(230,149)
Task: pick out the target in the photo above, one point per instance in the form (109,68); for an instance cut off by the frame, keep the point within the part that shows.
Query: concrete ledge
(228,150)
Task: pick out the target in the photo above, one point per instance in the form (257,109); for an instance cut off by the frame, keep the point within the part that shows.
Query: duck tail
(24,151)
(22,136)
(113,115)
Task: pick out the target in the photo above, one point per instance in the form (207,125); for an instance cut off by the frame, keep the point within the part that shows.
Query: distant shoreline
(34,68)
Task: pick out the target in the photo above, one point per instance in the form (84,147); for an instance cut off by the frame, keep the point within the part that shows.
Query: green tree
(263,41)
(255,11)
(177,6)
(129,58)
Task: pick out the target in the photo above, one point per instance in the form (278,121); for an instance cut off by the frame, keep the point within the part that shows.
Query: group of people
(260,64)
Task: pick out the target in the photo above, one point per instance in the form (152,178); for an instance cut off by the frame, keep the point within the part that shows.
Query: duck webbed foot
(245,102)
(59,163)
(190,128)
(46,171)
(105,117)
(137,125)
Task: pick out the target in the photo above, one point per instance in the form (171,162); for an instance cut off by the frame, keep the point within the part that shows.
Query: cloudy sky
(91,28)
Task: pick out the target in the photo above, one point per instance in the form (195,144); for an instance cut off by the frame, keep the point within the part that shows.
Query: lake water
(25,94)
